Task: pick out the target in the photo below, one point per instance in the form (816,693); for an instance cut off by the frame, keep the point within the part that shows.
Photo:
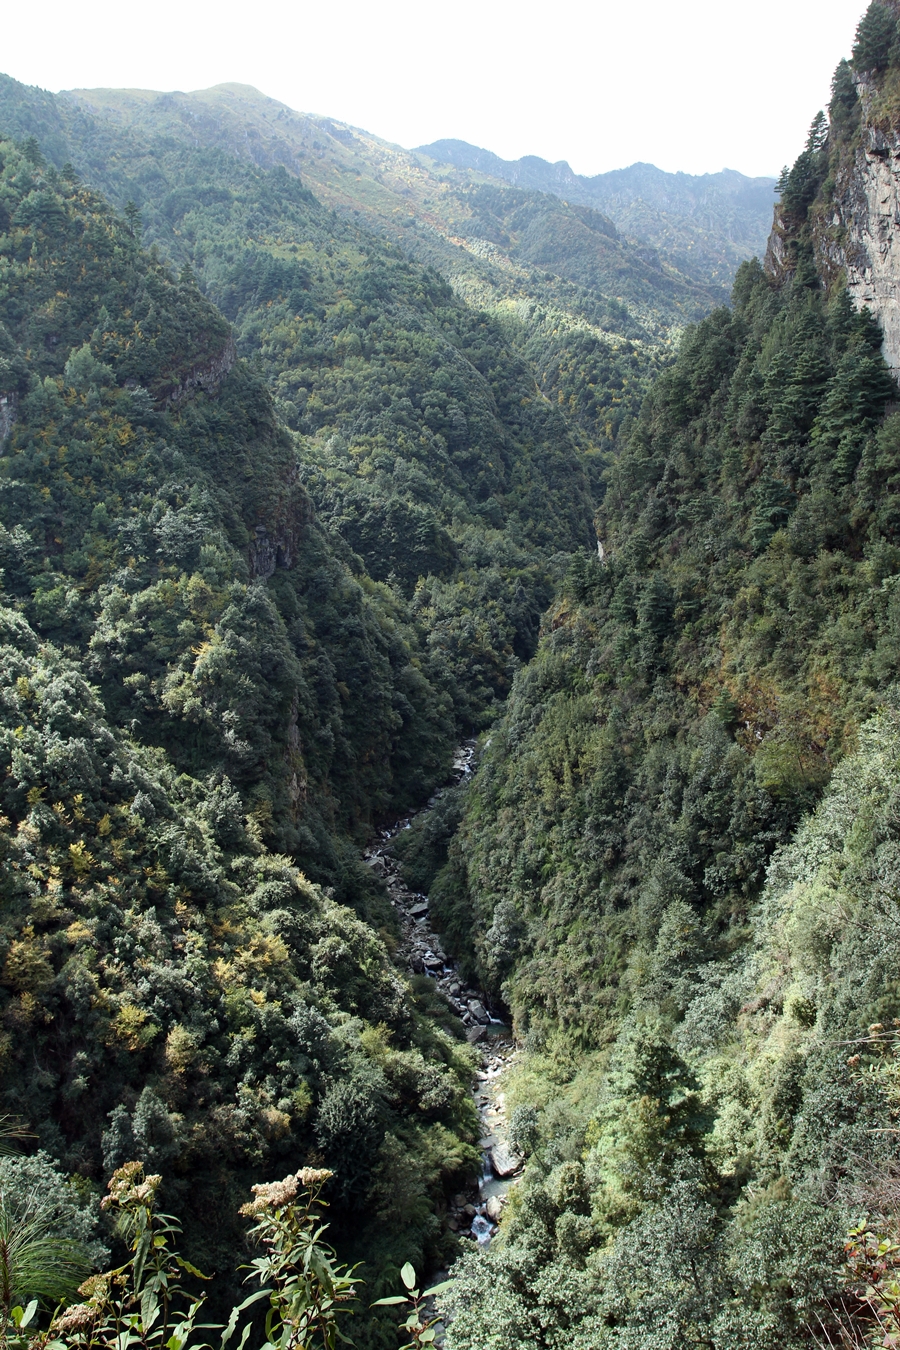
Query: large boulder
(504,1162)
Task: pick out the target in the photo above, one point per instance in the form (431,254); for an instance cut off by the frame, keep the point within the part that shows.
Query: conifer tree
(875,36)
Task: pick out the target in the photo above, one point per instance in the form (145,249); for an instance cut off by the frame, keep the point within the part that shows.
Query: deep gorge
(305,457)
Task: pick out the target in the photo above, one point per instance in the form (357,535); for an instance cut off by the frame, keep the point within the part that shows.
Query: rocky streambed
(475,1212)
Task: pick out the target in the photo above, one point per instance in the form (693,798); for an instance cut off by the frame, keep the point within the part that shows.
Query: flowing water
(473,1212)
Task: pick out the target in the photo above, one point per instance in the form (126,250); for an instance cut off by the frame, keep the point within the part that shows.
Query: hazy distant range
(634,196)
(696,227)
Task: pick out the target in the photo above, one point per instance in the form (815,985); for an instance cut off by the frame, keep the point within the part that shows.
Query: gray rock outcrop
(7,415)
(864,234)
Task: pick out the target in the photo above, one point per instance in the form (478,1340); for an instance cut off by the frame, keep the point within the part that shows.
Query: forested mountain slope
(677,859)
(197,682)
(283,500)
(352,170)
(555,275)
(438,447)
(137,347)
(707,224)
(206,674)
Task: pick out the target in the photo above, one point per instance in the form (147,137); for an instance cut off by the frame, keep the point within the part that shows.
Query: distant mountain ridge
(527,253)
(704,227)
(348,168)
(561,275)
(733,211)
(682,192)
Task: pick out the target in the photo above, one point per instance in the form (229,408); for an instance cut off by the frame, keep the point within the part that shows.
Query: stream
(475,1211)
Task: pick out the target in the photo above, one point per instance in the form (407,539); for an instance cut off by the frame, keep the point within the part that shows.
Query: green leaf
(253,1298)
(408,1276)
(191,1270)
(437,1288)
(142,1249)
(229,1327)
(388,1302)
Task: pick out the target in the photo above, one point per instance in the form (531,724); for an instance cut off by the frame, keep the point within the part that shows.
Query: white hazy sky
(698,85)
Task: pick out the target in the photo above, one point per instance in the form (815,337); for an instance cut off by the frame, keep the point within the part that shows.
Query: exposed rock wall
(855,224)
(275,543)
(207,376)
(8,403)
(862,237)
(266,552)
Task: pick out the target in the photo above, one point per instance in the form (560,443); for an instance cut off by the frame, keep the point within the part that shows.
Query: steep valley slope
(201,690)
(250,609)
(677,859)
(572,292)
(307,444)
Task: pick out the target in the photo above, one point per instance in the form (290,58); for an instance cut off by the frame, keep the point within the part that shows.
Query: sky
(695,85)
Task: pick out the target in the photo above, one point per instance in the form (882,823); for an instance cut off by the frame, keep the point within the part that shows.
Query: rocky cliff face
(207,375)
(862,234)
(842,200)
(8,404)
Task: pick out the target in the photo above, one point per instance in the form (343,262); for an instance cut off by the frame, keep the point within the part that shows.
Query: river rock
(504,1162)
(474,1034)
(479,1011)
(494,1207)
(419,910)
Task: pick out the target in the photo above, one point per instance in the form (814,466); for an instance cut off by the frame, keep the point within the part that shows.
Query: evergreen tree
(844,98)
(875,38)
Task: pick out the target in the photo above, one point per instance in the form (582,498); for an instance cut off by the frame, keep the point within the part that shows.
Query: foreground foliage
(148,1300)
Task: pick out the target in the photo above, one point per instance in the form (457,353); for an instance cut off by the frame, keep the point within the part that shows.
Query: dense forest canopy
(422,434)
(296,494)
(251,609)
(201,691)
(675,861)
(525,262)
